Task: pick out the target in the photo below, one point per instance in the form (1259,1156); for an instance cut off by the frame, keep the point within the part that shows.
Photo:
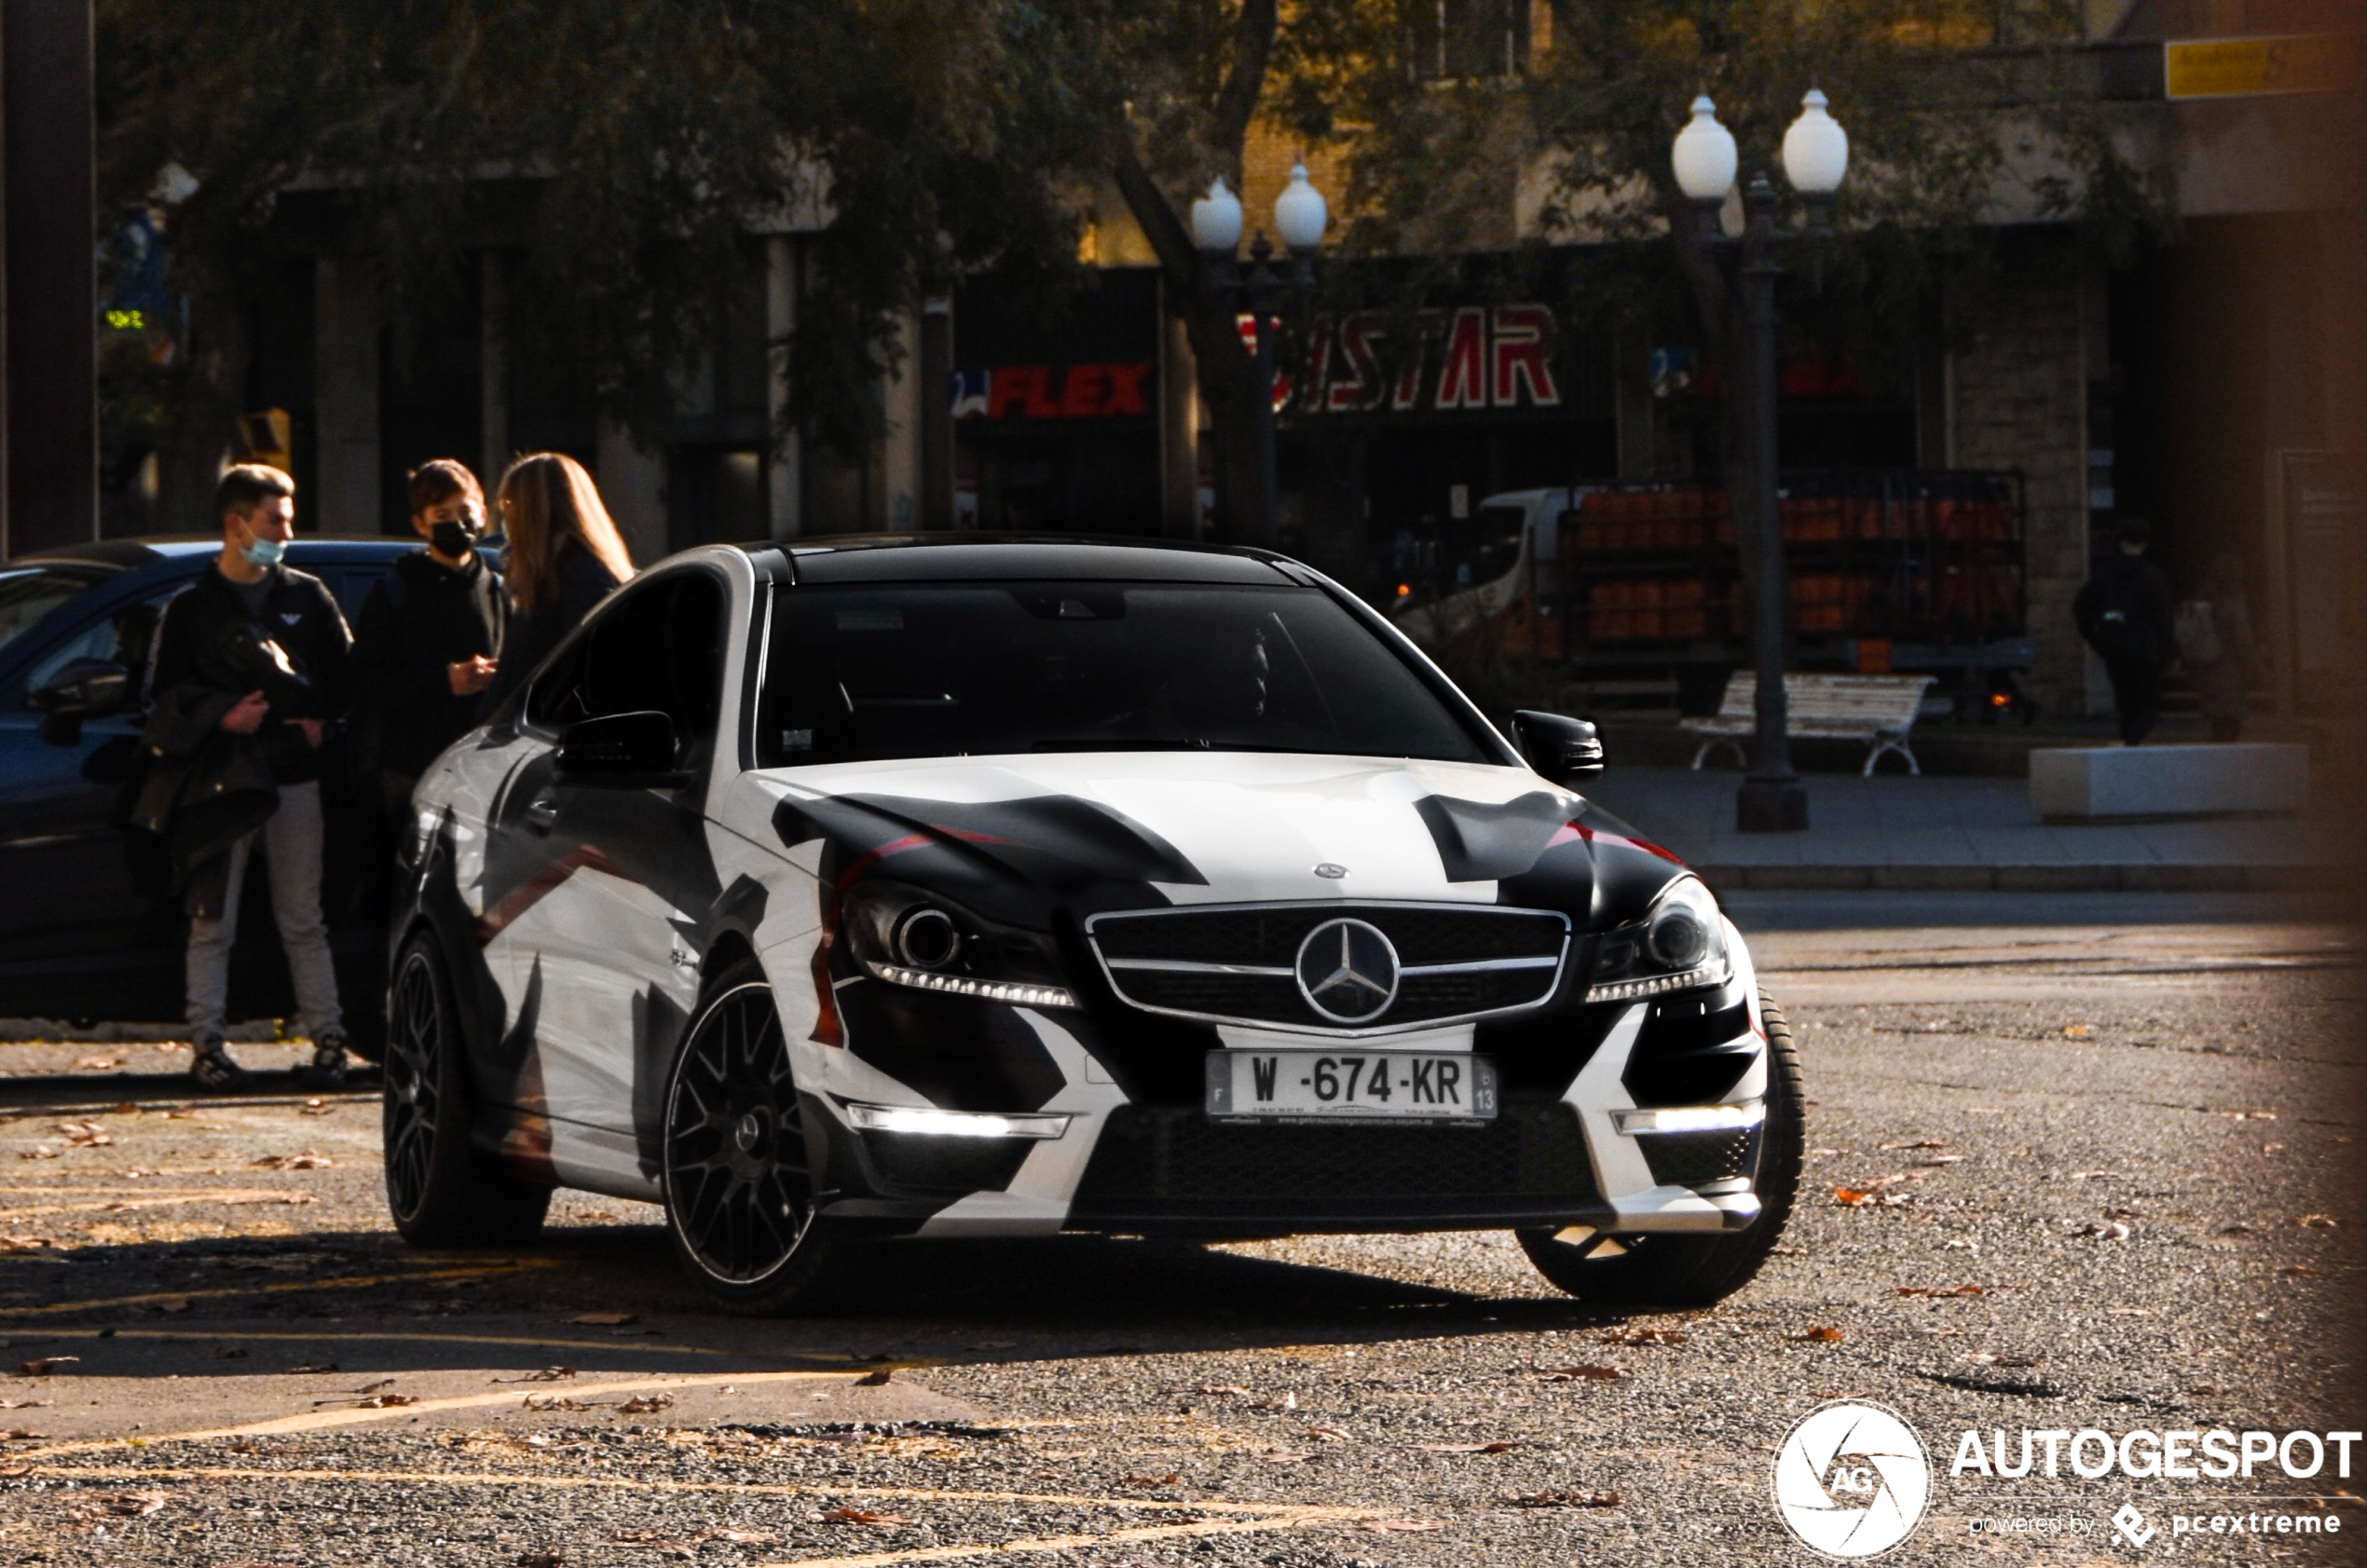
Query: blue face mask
(265,553)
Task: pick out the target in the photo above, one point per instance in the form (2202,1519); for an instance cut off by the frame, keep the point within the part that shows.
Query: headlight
(908,938)
(1679,945)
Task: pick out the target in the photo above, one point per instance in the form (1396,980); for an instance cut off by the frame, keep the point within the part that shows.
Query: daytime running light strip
(931,1122)
(1656,984)
(1693,1119)
(985,990)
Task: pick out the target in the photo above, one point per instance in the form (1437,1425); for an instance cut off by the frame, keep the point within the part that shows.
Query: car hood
(1127,831)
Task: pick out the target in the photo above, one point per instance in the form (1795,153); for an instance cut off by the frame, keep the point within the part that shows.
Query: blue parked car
(89,927)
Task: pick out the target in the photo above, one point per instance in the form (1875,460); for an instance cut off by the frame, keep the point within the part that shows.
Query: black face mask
(453,537)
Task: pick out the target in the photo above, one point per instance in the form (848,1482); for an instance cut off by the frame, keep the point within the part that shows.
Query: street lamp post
(1705,161)
(1299,215)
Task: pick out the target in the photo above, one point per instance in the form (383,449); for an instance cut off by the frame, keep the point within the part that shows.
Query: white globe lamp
(1300,213)
(1216,218)
(1815,149)
(1703,155)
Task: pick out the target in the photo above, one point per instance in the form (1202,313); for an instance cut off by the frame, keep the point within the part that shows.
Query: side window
(658,645)
(122,637)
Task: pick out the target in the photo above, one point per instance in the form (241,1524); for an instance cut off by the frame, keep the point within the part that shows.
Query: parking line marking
(1235,1519)
(315,1421)
(643,1347)
(350,1282)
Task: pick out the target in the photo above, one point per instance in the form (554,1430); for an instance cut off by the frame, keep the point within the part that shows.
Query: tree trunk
(205,423)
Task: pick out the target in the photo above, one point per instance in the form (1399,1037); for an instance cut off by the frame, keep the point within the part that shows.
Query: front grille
(1235,964)
(1177,1160)
(1695,1159)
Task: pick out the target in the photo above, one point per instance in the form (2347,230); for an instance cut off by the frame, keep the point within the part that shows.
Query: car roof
(126,554)
(1002,557)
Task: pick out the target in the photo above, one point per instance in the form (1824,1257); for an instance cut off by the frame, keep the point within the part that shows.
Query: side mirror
(1564,750)
(83,689)
(630,751)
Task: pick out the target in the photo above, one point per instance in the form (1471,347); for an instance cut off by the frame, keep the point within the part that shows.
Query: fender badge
(1331,872)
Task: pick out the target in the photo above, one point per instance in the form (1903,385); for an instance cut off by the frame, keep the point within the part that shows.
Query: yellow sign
(2240,67)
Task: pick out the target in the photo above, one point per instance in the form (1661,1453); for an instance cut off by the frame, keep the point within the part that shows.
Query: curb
(2035,878)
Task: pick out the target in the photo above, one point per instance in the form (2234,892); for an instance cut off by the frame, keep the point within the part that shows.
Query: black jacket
(2124,611)
(583,582)
(205,786)
(420,620)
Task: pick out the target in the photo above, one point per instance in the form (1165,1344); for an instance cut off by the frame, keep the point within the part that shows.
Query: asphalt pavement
(2081,1162)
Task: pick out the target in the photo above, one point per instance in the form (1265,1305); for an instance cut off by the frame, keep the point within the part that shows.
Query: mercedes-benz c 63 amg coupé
(906,888)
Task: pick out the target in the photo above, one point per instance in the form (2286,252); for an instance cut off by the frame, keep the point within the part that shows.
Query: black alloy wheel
(739,1186)
(1688,1268)
(441,1188)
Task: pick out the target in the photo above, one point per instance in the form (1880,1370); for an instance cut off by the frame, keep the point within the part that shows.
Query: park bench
(1879,710)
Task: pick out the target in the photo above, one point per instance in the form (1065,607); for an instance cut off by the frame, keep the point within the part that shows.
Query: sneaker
(327,1068)
(213,1069)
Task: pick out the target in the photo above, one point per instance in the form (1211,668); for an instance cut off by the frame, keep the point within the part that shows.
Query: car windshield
(859,673)
(29,596)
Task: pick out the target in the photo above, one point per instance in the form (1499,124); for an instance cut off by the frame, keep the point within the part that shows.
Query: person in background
(2215,640)
(250,668)
(564,558)
(2124,612)
(428,643)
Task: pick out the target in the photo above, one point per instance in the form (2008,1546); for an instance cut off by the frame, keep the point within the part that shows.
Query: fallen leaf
(1401,1524)
(14,1433)
(173,1303)
(2298,1269)
(2100,1176)
(2236,1230)
(309,1367)
(386,1401)
(24,1244)
(1943,1290)
(1572,1375)
(1331,1434)
(134,1504)
(1468,1448)
(646,1404)
(2113,1232)
(240,1199)
(38,1152)
(1821,1333)
(1635,1333)
(305,1159)
(1986,1358)
(1945,1160)
(1168,1479)
(1565,1500)
(1850,1197)
(553,1402)
(316,1106)
(861,1516)
(84,1135)
(548,1374)
(656,1539)
(43,1366)
(1225,1388)
(24,1404)
(1919,1143)
(738,1537)
(2315,1223)
(2271,1147)
(875,1380)
(16,1469)
(2078,1032)
(97,1064)
(606,1319)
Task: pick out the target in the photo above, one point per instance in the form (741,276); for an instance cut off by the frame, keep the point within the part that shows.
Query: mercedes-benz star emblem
(1347,971)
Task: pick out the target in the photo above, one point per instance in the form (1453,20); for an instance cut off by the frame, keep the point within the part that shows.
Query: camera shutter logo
(1852,1480)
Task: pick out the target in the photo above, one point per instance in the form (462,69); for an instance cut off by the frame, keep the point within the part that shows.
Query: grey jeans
(291,853)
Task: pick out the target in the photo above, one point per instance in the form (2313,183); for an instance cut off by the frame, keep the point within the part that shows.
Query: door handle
(542,814)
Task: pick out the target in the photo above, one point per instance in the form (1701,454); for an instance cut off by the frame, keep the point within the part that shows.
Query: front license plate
(1362,1084)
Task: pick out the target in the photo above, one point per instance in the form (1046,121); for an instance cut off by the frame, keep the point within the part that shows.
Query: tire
(739,1188)
(441,1189)
(1677,1268)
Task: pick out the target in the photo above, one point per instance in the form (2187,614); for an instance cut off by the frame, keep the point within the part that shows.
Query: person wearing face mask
(427,643)
(249,672)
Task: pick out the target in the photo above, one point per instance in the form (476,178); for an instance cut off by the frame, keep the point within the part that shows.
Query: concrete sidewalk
(1935,833)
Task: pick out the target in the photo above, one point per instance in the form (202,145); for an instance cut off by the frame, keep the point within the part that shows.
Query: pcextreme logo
(1852,1480)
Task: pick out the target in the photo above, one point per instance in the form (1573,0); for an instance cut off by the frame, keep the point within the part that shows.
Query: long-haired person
(564,558)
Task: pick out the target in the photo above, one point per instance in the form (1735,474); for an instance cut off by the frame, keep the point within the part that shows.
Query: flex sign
(1097,390)
(1470,358)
